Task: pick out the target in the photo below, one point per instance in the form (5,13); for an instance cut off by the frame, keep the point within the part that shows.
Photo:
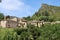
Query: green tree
(46,13)
(1,16)
(27,18)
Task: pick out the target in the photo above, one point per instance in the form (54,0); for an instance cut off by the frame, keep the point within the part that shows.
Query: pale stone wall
(14,19)
(3,24)
(39,24)
(22,23)
(35,24)
(11,24)
(25,24)
(57,22)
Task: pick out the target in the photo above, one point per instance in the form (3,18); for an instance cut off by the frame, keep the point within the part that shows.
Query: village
(16,22)
(19,22)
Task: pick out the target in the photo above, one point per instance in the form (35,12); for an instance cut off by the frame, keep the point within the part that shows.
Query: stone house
(8,24)
(22,23)
(14,19)
(18,22)
(36,23)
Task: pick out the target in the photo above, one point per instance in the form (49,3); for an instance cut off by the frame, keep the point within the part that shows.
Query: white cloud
(11,4)
(16,5)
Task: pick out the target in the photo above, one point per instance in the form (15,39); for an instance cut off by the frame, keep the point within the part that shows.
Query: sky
(24,8)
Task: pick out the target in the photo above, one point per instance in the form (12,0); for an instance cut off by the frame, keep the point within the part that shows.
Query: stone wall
(3,24)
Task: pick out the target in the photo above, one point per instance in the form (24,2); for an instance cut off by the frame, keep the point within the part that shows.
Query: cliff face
(49,10)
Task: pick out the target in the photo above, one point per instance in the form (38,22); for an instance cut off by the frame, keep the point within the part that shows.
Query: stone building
(17,22)
(8,24)
(22,23)
(36,23)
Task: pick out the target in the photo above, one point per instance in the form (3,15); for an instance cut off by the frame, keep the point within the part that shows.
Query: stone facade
(17,22)
(22,23)
(8,24)
(36,23)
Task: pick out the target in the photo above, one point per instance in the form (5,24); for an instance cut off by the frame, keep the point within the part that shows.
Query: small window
(8,26)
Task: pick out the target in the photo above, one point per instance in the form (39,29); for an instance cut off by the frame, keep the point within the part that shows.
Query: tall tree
(1,16)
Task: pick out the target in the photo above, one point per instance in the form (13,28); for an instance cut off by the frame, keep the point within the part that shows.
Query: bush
(48,32)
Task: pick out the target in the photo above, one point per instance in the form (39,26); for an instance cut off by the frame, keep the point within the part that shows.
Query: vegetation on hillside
(28,18)
(48,32)
(47,13)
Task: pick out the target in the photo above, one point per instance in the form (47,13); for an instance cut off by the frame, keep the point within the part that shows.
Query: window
(8,26)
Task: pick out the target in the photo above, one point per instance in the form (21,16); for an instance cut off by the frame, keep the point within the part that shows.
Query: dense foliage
(28,18)
(47,32)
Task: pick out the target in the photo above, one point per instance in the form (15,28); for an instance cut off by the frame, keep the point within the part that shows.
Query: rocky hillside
(47,11)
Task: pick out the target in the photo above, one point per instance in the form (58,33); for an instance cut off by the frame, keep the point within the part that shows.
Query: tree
(43,18)
(1,16)
(27,18)
(46,13)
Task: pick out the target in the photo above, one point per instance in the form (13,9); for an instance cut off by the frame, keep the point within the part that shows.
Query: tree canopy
(1,16)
